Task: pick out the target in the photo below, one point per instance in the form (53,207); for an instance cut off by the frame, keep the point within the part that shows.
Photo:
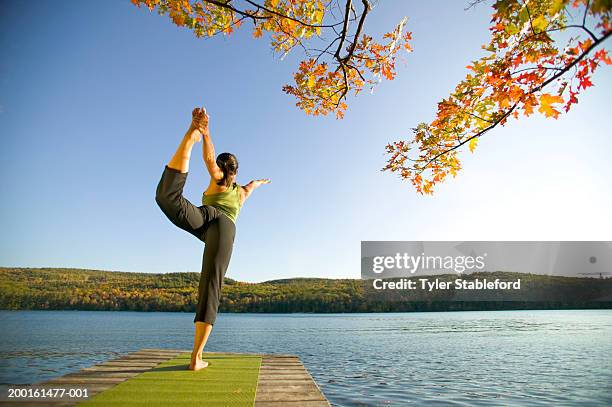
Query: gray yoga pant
(209,225)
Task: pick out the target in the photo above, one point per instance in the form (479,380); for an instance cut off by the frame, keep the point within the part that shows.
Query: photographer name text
(427,284)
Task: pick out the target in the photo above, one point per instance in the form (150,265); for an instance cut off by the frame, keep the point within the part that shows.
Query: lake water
(455,358)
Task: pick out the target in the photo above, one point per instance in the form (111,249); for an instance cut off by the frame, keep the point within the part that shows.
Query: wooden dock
(282,381)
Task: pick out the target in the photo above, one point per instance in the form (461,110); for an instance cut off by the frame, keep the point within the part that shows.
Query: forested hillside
(60,289)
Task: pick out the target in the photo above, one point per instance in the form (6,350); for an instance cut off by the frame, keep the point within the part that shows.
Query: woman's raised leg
(169,193)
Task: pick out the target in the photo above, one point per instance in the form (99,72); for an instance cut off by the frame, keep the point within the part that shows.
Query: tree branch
(366,9)
(347,12)
(509,111)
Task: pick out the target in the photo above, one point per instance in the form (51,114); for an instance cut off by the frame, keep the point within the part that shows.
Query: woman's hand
(259,182)
(199,120)
(246,190)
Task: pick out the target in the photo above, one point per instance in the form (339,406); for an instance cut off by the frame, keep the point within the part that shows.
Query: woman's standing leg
(217,254)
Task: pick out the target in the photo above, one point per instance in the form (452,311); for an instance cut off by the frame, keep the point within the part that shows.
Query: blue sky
(94,99)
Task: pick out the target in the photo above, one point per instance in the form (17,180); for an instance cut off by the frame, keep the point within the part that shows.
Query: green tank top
(227,201)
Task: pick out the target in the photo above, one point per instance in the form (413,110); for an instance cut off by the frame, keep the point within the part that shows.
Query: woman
(213,222)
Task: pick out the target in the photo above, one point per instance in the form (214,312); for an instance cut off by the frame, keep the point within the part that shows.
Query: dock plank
(285,382)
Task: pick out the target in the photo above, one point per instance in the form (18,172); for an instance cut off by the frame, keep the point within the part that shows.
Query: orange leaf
(546,102)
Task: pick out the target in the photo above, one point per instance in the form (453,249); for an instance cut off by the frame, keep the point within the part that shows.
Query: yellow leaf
(540,23)
(473,143)
(546,102)
(311,82)
(556,6)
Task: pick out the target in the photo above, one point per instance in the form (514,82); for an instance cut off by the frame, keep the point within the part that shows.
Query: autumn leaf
(585,82)
(546,102)
(472,144)
(602,55)
(539,23)
(528,105)
(572,100)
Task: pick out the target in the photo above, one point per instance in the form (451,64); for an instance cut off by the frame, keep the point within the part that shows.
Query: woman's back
(227,201)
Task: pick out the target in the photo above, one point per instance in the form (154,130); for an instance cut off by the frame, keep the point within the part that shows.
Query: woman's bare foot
(197,363)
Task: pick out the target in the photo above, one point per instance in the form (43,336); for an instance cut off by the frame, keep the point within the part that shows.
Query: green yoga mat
(229,380)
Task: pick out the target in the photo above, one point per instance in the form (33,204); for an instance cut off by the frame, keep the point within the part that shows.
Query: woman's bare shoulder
(213,188)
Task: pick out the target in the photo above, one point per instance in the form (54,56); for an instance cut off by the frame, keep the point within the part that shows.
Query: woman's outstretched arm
(208,149)
(250,187)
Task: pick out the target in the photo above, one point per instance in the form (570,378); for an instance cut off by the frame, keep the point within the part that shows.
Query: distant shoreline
(97,290)
(607,308)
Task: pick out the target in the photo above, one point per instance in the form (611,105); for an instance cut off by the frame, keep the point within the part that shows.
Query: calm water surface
(461,358)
